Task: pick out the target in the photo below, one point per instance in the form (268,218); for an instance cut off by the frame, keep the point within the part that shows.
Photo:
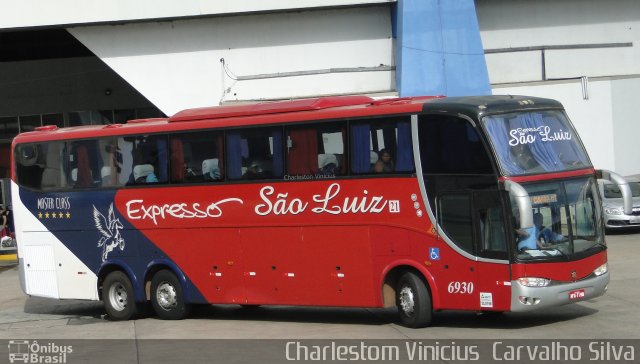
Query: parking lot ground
(612,316)
(607,316)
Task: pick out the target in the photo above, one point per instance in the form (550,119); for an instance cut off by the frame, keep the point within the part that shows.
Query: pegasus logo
(110,231)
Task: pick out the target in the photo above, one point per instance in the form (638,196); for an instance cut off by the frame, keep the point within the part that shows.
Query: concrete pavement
(28,323)
(607,316)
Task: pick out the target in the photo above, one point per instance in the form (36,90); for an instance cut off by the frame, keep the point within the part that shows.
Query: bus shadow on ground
(46,306)
(93,311)
(331,315)
(360,316)
(511,320)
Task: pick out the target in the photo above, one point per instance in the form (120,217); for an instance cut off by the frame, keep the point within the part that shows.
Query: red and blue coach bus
(475,203)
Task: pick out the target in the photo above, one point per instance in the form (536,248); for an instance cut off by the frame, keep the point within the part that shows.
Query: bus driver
(537,237)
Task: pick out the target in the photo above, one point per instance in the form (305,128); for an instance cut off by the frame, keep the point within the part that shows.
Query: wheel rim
(166,296)
(118,296)
(407,301)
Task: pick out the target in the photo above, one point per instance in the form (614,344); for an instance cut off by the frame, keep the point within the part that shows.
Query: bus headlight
(534,282)
(601,270)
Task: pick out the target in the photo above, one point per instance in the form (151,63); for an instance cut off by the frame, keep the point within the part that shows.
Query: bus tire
(167,296)
(413,301)
(118,297)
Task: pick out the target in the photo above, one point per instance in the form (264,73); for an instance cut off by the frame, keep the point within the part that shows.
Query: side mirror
(625,189)
(523,201)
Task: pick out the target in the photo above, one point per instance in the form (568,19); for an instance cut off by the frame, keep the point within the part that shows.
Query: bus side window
(83,177)
(487,232)
(454,215)
(255,154)
(84,164)
(451,145)
(148,161)
(108,154)
(302,151)
(316,150)
(492,241)
(385,136)
(124,159)
(54,159)
(197,157)
(29,173)
(42,166)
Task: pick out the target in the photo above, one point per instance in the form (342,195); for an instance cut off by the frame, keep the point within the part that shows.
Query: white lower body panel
(47,267)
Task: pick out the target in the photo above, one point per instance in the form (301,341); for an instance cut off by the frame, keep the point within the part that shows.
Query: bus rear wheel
(413,301)
(118,297)
(167,297)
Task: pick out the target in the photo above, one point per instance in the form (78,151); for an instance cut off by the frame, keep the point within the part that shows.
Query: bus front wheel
(413,301)
(167,296)
(118,297)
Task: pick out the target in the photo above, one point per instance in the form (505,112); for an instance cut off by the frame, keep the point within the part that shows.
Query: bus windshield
(535,142)
(566,219)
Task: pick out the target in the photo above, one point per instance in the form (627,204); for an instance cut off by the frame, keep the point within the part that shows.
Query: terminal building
(98,62)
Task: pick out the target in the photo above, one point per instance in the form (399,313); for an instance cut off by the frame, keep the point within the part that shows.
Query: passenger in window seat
(384,163)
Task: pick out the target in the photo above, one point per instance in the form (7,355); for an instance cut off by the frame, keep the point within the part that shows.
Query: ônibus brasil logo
(25,351)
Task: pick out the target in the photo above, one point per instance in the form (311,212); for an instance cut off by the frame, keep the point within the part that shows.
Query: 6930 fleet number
(460,287)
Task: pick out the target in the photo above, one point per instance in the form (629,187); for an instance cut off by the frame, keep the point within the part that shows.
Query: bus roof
(323,108)
(479,106)
(278,107)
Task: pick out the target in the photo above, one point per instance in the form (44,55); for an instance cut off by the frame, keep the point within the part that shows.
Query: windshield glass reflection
(535,142)
(566,217)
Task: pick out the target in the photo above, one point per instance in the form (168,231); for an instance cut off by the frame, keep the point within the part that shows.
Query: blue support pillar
(438,49)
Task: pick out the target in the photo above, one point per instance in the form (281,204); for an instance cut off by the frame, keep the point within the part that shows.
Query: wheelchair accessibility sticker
(434,253)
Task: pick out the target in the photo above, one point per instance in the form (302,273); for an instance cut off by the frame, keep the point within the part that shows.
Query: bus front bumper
(525,299)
